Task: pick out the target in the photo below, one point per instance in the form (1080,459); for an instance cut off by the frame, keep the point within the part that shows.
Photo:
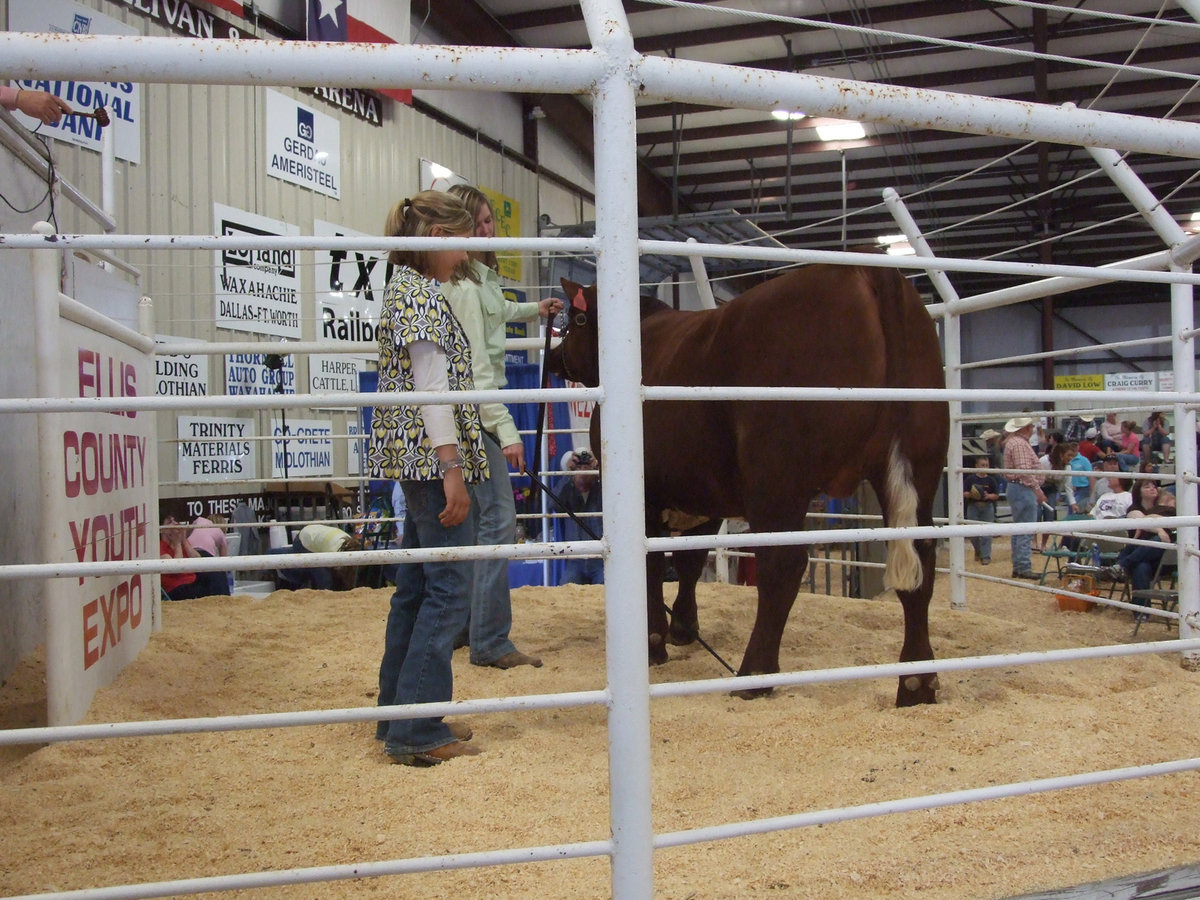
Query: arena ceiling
(974,197)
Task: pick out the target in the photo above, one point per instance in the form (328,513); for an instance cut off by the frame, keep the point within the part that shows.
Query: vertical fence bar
(1188,537)
(952,335)
(621,450)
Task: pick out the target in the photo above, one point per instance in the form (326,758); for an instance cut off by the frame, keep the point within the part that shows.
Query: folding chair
(1062,556)
(1163,591)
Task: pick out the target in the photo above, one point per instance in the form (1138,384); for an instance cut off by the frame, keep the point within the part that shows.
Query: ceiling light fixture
(784,115)
(841,130)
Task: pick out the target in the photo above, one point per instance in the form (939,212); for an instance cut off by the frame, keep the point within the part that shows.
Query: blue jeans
(494,512)
(1022,501)
(982,512)
(580,570)
(1140,562)
(428,609)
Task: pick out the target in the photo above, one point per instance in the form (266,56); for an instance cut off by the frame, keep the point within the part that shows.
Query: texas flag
(327,20)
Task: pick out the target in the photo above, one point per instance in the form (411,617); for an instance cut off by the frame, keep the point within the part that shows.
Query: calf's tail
(903,571)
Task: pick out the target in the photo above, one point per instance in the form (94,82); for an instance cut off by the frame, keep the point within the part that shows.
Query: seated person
(1135,561)
(1130,454)
(208,537)
(174,544)
(1109,438)
(1116,501)
(1156,438)
(320,539)
(580,493)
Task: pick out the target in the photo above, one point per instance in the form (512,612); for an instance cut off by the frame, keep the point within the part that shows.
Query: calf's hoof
(752,694)
(682,635)
(657,650)
(917,689)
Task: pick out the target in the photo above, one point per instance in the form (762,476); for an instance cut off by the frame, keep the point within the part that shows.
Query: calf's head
(577,357)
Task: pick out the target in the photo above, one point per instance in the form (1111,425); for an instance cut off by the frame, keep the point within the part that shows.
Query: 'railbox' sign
(256,290)
(349,288)
(213,448)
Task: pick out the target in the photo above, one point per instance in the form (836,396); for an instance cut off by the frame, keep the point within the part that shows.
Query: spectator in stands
(1055,486)
(1075,427)
(1080,484)
(980,494)
(1156,438)
(1088,447)
(173,543)
(1024,491)
(1136,561)
(1130,454)
(1116,501)
(579,494)
(317,538)
(208,537)
(38,104)
(1109,437)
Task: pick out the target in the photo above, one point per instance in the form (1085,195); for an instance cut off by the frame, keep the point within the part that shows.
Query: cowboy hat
(989,434)
(1012,426)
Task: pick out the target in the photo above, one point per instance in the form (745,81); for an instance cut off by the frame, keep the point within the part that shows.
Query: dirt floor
(106,812)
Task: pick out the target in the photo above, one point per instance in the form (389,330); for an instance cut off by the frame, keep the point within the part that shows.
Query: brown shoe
(437,755)
(514,659)
(461,731)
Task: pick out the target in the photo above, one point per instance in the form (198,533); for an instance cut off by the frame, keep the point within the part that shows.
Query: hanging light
(841,130)
(784,115)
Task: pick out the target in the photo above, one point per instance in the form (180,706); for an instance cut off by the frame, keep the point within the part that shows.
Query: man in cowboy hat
(1025,494)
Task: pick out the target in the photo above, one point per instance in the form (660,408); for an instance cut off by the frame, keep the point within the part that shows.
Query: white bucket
(279,538)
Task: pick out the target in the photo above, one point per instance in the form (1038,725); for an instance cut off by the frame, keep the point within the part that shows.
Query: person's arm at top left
(38,104)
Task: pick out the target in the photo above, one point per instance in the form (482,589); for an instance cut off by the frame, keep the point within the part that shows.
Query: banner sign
(307,450)
(354,453)
(248,373)
(349,288)
(256,290)
(516,330)
(180,375)
(213,448)
(103,478)
(1079,382)
(506,216)
(222,506)
(1131,381)
(185,18)
(303,146)
(334,373)
(122,99)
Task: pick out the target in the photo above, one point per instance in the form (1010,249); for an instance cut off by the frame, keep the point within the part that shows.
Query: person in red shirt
(1088,447)
(173,543)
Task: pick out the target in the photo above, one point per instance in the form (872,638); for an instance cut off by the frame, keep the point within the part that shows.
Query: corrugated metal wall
(205,144)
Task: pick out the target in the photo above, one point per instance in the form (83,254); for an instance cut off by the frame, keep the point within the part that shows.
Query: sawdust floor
(105,812)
